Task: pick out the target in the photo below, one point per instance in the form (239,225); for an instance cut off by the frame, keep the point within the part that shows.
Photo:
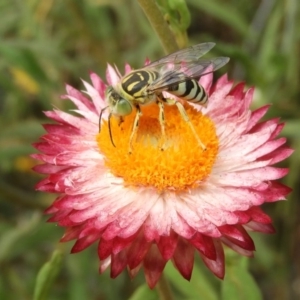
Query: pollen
(175,162)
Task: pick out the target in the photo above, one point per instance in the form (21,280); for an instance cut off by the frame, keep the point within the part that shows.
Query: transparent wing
(182,65)
(173,72)
(188,54)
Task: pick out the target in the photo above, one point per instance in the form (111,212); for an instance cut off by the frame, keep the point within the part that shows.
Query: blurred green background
(45,44)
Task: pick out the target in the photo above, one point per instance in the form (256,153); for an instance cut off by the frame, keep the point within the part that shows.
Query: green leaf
(47,275)
(239,283)
(143,292)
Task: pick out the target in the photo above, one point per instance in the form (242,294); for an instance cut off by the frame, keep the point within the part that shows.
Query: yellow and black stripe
(189,90)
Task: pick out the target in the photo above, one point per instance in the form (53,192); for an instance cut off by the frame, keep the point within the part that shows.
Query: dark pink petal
(277,131)
(48,169)
(243,217)
(183,258)
(47,149)
(61,129)
(278,191)
(84,242)
(90,229)
(118,263)
(147,61)
(259,227)
(120,244)
(248,97)
(45,186)
(72,233)
(60,216)
(238,91)
(238,235)
(167,245)
(105,248)
(205,245)
(65,221)
(137,251)
(236,248)
(266,125)
(153,266)
(67,201)
(217,266)
(258,215)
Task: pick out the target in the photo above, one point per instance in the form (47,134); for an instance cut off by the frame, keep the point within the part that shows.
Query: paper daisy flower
(151,206)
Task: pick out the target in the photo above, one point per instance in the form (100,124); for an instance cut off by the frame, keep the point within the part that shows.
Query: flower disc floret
(181,165)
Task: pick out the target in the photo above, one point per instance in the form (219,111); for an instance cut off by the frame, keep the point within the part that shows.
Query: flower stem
(159,24)
(163,289)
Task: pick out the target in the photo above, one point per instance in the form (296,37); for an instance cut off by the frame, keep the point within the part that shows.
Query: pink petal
(183,258)
(100,86)
(216,266)
(118,263)
(238,235)
(112,76)
(105,248)
(205,245)
(167,245)
(137,251)
(84,242)
(153,266)
(256,116)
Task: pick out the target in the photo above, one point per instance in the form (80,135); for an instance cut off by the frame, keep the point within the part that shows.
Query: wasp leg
(134,127)
(109,129)
(162,122)
(100,117)
(186,119)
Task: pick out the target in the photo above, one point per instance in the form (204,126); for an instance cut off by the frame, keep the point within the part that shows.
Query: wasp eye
(123,107)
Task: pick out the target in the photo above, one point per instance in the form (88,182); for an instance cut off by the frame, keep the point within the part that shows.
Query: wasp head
(118,105)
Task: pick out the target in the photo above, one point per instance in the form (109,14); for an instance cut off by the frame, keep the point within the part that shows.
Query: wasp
(177,74)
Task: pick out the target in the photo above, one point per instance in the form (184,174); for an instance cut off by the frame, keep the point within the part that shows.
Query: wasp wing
(176,72)
(188,54)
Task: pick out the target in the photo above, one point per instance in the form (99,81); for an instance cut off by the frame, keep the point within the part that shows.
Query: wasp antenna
(109,129)
(100,117)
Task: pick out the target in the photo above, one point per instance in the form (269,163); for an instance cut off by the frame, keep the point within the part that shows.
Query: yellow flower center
(182,165)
